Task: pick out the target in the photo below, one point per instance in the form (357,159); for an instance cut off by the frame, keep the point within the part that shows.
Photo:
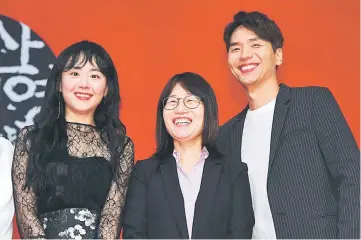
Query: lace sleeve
(25,200)
(110,219)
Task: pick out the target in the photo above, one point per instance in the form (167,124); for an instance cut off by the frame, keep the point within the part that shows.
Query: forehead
(242,34)
(81,61)
(179,91)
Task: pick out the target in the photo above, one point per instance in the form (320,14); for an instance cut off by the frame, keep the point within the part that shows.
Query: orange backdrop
(150,41)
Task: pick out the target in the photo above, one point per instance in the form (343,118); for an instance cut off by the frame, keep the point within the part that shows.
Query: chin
(83,110)
(248,82)
(181,137)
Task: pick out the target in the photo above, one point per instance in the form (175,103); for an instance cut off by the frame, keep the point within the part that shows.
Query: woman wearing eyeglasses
(186,190)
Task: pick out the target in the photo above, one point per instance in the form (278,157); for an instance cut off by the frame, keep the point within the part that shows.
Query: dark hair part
(49,133)
(257,22)
(198,86)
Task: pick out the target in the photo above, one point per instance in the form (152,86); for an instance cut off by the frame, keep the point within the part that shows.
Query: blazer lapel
(210,177)
(238,133)
(279,117)
(168,170)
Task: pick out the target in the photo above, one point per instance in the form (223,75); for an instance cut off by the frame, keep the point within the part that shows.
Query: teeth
(249,66)
(182,121)
(82,95)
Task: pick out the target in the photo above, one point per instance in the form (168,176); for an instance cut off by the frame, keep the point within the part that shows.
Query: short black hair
(198,86)
(257,22)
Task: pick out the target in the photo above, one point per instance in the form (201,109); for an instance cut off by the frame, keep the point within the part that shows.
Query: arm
(242,220)
(25,200)
(342,158)
(110,219)
(6,196)
(135,207)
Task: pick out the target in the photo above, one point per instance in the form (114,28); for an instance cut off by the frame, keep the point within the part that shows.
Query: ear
(279,56)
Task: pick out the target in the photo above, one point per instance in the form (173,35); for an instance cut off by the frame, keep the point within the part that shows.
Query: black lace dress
(81,198)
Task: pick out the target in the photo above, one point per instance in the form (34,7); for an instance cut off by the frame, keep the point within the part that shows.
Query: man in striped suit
(303,161)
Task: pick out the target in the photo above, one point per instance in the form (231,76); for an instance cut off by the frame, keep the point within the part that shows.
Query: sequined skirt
(70,223)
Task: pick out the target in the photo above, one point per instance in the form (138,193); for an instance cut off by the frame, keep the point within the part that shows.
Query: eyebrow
(254,39)
(233,44)
(92,69)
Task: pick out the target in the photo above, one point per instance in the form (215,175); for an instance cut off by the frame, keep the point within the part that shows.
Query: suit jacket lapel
(279,117)
(238,133)
(204,204)
(168,170)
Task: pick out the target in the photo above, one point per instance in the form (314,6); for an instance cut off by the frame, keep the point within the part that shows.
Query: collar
(204,154)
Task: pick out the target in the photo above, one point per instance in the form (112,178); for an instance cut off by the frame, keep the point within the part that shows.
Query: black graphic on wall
(25,63)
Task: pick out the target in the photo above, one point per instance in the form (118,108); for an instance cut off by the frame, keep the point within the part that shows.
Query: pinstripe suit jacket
(313,182)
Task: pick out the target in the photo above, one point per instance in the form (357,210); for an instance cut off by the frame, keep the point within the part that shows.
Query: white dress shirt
(6,189)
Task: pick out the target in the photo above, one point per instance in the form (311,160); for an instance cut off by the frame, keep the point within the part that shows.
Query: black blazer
(313,180)
(154,206)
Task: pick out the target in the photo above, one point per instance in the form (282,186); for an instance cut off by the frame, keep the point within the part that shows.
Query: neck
(84,118)
(189,151)
(262,93)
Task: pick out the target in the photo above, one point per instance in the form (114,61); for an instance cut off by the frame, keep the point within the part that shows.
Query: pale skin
(190,153)
(187,138)
(253,62)
(83,89)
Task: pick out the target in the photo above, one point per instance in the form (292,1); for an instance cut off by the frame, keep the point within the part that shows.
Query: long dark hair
(198,86)
(49,131)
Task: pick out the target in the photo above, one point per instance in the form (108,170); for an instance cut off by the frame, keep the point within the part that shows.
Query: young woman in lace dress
(71,168)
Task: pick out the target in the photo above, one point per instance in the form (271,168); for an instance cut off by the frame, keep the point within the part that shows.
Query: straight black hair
(198,86)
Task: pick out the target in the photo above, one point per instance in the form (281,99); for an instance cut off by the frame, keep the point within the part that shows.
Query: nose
(246,52)
(83,82)
(181,107)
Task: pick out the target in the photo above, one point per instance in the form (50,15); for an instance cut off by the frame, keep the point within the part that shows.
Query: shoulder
(143,169)
(313,97)
(26,130)
(148,164)
(309,92)
(25,136)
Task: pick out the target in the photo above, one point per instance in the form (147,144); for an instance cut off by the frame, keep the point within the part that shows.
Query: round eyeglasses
(190,102)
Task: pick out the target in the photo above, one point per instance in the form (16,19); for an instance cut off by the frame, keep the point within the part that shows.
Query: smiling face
(83,88)
(251,59)
(182,123)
